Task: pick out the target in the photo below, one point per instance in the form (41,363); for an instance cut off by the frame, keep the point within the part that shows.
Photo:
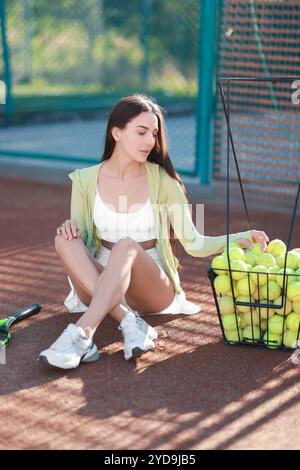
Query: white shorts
(177,306)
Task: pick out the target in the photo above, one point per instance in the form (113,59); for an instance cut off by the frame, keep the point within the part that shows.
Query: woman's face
(138,137)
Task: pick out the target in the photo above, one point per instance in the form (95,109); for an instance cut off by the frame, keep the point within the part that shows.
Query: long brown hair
(125,110)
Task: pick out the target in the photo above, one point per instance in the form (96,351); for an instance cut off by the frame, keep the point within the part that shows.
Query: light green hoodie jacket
(168,202)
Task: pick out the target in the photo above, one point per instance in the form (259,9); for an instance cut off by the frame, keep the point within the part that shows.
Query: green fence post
(207,89)
(7,74)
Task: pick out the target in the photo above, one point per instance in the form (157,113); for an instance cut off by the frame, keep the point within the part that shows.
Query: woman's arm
(180,217)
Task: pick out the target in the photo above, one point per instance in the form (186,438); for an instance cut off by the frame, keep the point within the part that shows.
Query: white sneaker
(136,342)
(70,348)
(144,326)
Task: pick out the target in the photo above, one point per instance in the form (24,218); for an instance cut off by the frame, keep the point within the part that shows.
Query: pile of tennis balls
(258,277)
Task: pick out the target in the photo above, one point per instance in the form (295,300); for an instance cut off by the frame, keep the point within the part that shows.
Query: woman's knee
(124,245)
(61,243)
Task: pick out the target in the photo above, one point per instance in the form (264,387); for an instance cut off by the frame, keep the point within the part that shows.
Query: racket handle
(27,312)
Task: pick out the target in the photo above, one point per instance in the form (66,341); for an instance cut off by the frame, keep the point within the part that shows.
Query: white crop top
(112,226)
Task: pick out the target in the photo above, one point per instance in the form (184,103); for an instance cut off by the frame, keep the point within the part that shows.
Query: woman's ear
(115,132)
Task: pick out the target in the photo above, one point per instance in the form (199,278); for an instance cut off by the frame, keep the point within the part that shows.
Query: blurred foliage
(103,46)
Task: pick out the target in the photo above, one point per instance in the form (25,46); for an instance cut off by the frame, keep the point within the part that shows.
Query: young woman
(117,248)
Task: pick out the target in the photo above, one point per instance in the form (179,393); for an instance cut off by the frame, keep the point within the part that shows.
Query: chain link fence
(260,38)
(74,55)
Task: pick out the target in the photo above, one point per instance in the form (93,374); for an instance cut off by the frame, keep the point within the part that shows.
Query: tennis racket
(8,322)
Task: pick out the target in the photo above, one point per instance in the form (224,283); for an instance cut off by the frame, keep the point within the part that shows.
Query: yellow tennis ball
(276,247)
(264,325)
(272,340)
(255,294)
(230,322)
(271,291)
(265,312)
(272,273)
(222,284)
(290,339)
(235,291)
(277,324)
(293,321)
(250,258)
(251,333)
(284,276)
(234,336)
(256,249)
(236,253)
(245,286)
(239,268)
(293,291)
(219,265)
(280,261)
(287,306)
(293,260)
(296,306)
(257,275)
(297,254)
(267,260)
(226,305)
(244,308)
(231,244)
(249,318)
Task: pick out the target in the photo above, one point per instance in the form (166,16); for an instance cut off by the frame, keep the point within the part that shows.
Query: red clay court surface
(192,392)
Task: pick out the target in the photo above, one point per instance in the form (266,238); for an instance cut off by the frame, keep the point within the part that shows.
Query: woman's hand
(69,230)
(258,237)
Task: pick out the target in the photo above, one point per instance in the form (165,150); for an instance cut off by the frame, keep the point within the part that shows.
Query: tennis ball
(287,306)
(276,247)
(256,249)
(267,260)
(280,261)
(222,284)
(245,286)
(293,260)
(272,273)
(277,324)
(250,258)
(265,312)
(251,333)
(244,308)
(249,318)
(297,275)
(235,291)
(290,339)
(297,254)
(226,305)
(236,253)
(284,276)
(238,265)
(255,294)
(257,278)
(219,265)
(264,324)
(234,336)
(271,291)
(293,291)
(296,307)
(272,340)
(230,322)
(296,249)
(231,244)
(293,321)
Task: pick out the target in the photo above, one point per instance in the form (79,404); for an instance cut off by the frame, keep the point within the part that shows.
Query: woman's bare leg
(129,271)
(83,271)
